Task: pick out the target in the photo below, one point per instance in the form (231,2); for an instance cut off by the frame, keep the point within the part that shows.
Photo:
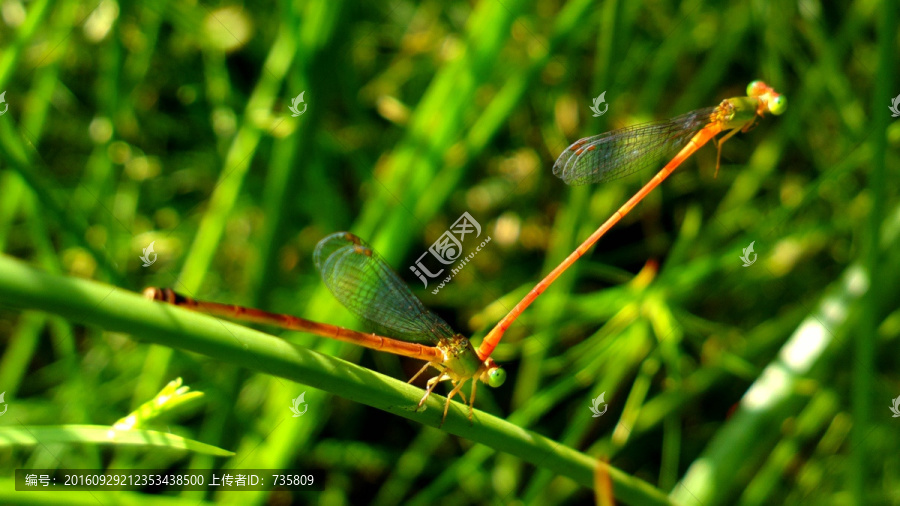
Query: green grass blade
(27,436)
(117,310)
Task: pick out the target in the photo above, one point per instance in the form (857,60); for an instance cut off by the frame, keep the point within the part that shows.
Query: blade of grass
(864,363)
(113,309)
(237,163)
(26,436)
(772,398)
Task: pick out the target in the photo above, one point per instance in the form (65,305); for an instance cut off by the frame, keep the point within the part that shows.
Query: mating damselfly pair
(366,285)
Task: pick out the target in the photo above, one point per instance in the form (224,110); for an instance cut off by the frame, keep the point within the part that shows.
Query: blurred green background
(169,122)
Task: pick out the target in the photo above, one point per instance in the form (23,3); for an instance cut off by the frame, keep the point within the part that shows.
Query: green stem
(864,346)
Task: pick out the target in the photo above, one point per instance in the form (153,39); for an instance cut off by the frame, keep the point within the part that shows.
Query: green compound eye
(756,88)
(496,377)
(777,105)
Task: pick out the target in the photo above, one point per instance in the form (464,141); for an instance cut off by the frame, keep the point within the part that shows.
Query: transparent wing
(623,152)
(366,285)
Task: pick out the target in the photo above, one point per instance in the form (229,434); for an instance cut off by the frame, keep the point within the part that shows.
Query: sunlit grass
(132,123)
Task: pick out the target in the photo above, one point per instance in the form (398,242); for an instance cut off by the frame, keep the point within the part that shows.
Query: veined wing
(366,285)
(623,152)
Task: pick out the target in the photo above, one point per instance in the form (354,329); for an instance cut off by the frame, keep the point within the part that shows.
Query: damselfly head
(774,102)
(494,375)
(757,88)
